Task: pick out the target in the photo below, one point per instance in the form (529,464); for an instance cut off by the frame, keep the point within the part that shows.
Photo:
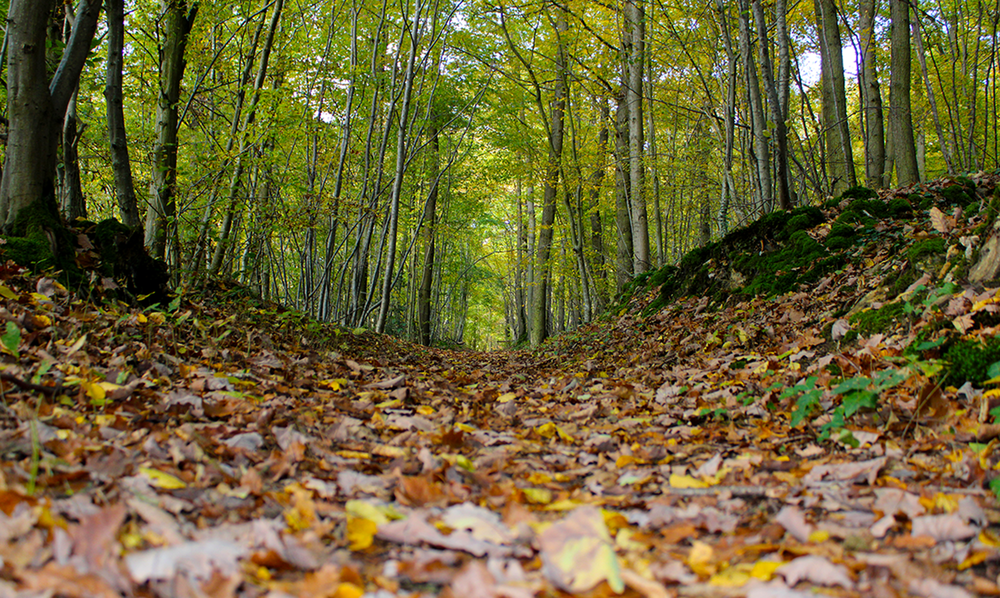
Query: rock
(988,265)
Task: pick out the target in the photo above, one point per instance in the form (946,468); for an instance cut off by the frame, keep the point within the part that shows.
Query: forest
(476,172)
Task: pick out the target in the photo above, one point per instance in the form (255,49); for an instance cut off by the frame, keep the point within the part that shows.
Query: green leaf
(12,338)
(851,385)
(858,400)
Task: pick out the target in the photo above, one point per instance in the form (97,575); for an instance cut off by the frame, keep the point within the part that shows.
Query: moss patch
(926,248)
(970,360)
(883,319)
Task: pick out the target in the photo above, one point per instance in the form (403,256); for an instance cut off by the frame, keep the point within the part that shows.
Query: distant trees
(477,170)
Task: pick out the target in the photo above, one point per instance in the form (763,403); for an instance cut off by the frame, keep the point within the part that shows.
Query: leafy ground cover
(836,438)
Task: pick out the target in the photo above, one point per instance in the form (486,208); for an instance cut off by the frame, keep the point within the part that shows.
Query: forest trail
(228,447)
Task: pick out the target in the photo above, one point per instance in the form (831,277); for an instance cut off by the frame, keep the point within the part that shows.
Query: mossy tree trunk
(36,106)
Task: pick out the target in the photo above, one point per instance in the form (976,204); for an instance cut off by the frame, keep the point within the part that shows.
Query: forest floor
(227,447)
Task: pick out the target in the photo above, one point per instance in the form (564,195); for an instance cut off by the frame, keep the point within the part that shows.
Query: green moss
(920,250)
(40,241)
(883,319)
(970,360)
(858,192)
(841,236)
(900,207)
(801,260)
(901,280)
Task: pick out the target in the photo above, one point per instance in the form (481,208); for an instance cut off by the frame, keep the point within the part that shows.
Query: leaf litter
(223,446)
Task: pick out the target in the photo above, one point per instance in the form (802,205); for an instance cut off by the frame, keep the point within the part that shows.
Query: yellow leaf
(94,391)
(465,427)
(733,577)
(506,397)
(162,479)
(425,410)
(701,559)
(365,510)
(354,455)
(7,293)
(348,590)
(764,570)
(539,477)
(818,536)
(360,532)
(565,504)
(685,481)
(302,514)
(538,496)
(989,538)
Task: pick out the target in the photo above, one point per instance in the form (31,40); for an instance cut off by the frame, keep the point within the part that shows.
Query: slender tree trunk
(225,233)
(654,172)
(918,39)
(430,232)
(777,110)
(623,221)
(74,205)
(401,162)
(900,117)
(539,316)
(161,216)
(128,207)
(596,224)
(728,191)
(635,19)
(872,99)
(762,151)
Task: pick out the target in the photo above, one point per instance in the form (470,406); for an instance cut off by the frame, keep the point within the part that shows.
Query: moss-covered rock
(883,319)
(39,240)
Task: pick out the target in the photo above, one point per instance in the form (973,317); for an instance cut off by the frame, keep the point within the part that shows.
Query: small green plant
(856,394)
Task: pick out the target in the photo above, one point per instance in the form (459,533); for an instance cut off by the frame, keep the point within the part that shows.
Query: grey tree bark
(161,215)
(128,207)
(872,98)
(635,49)
(35,105)
(234,186)
(762,151)
(836,126)
(900,114)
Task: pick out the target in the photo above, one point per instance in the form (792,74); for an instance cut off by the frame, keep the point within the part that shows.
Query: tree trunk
(161,216)
(74,205)
(539,315)
(918,38)
(401,162)
(635,20)
(872,99)
(777,110)
(120,163)
(36,106)
(835,124)
(225,233)
(762,151)
(728,190)
(623,221)
(900,118)
(429,230)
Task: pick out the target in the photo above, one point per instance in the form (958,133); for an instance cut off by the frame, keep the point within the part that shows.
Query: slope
(749,423)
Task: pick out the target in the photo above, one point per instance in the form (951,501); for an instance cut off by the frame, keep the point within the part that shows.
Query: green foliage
(856,395)
(970,360)
(11,339)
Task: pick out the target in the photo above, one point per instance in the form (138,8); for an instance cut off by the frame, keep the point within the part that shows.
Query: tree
(836,127)
(121,164)
(871,94)
(161,216)
(36,105)
(900,114)
(634,53)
